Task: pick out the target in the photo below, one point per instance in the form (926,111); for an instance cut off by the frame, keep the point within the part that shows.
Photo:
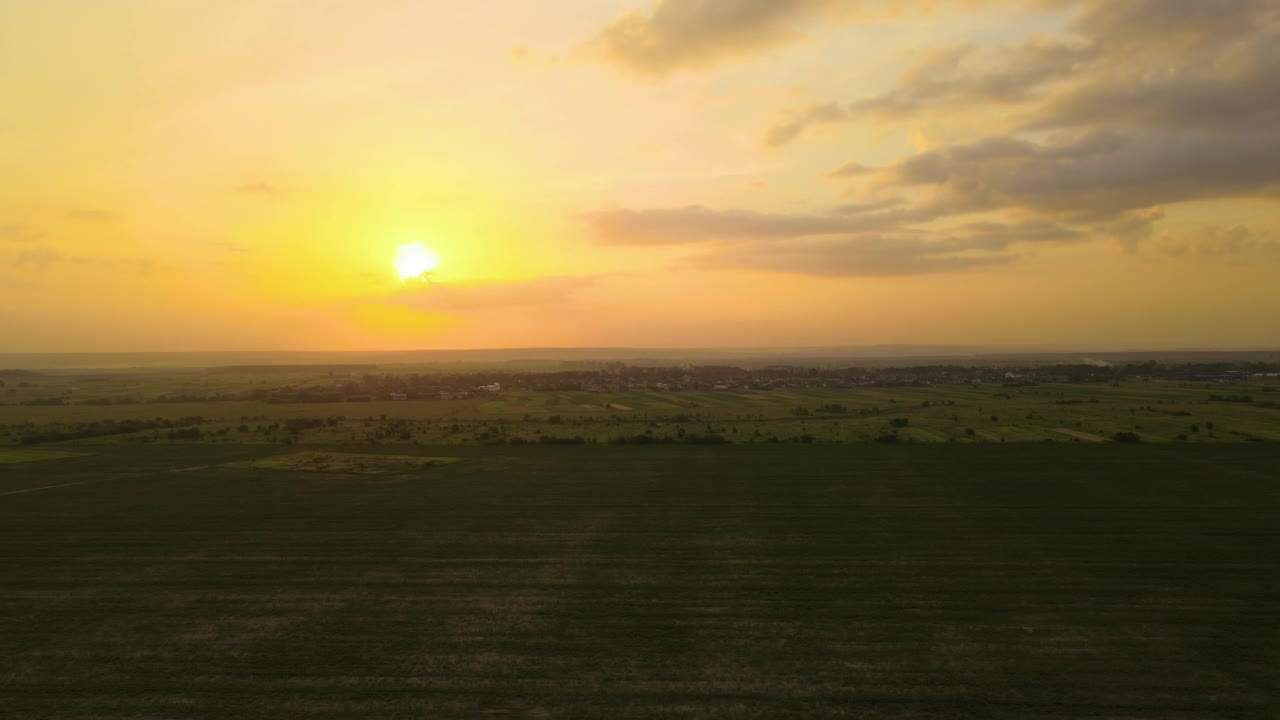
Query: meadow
(1145,411)
(936,581)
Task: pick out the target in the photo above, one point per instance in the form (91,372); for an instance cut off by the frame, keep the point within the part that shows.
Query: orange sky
(216,175)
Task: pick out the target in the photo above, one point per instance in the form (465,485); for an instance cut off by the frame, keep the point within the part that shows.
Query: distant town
(354,383)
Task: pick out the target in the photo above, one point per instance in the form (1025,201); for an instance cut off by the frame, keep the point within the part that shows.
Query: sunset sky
(221,174)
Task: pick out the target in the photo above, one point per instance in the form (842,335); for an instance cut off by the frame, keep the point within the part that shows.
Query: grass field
(764,581)
(35,454)
(1156,412)
(341,462)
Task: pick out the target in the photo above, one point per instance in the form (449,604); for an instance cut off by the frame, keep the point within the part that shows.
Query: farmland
(766,581)
(1150,411)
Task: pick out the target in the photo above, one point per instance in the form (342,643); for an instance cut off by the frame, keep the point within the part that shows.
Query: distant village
(357,383)
(619,378)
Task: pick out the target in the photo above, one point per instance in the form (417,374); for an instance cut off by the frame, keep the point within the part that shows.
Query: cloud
(1100,174)
(1128,26)
(852,169)
(1233,93)
(1225,242)
(1000,236)
(19,233)
(694,223)
(38,258)
(681,34)
(539,292)
(1165,63)
(1137,105)
(852,240)
(94,215)
(952,76)
(677,35)
(41,259)
(258,188)
(816,114)
(857,256)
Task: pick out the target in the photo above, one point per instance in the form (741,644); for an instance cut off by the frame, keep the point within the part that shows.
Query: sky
(186,175)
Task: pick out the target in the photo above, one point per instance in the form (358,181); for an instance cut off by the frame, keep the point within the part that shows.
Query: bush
(1126,437)
(900,422)
(575,440)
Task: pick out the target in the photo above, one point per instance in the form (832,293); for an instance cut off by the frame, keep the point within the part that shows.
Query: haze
(184,176)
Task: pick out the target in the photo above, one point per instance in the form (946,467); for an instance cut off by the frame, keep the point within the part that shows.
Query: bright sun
(415,260)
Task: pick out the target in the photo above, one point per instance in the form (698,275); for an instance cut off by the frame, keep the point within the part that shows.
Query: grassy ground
(1155,412)
(341,462)
(942,581)
(34,454)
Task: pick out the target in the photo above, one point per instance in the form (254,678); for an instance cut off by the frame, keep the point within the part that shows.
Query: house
(399,396)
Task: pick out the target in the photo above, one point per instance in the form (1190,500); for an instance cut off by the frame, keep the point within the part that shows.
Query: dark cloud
(852,240)
(954,75)
(1101,174)
(1128,26)
(679,34)
(539,292)
(1139,104)
(1141,63)
(19,233)
(1224,94)
(682,34)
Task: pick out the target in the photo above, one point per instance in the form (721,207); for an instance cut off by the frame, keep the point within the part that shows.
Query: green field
(342,463)
(35,454)
(1155,412)
(760,581)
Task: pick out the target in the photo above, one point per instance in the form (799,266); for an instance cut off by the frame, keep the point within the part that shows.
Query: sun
(415,260)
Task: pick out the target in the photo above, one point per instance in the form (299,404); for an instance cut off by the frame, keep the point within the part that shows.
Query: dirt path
(1087,437)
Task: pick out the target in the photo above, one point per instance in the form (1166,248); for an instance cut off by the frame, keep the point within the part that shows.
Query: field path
(1088,437)
(50,487)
